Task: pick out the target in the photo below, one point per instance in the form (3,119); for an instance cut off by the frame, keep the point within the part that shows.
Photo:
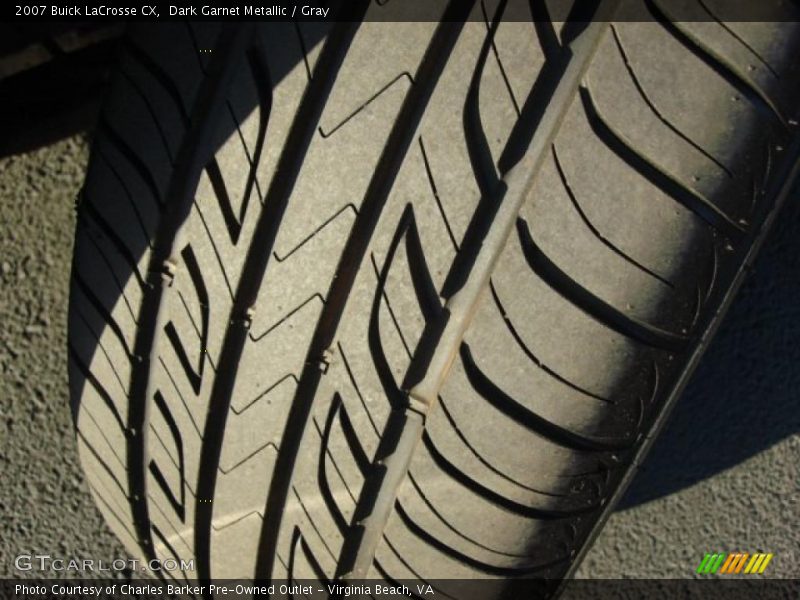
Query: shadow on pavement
(743,397)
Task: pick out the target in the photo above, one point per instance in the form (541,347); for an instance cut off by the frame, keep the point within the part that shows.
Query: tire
(410,313)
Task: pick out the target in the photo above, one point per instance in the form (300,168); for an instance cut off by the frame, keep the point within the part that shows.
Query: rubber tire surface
(277,218)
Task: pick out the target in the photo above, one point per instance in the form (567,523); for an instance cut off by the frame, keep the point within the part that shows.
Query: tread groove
(178,505)
(374,97)
(171,458)
(159,75)
(435,193)
(492,496)
(180,395)
(322,471)
(514,410)
(130,155)
(264,393)
(98,152)
(150,111)
(237,520)
(388,304)
(510,572)
(590,226)
(98,387)
(103,464)
(174,553)
(535,359)
(448,415)
(214,249)
(591,304)
(454,529)
(313,524)
(688,198)
(545,31)
(287,316)
(193,375)
(100,496)
(102,311)
(738,38)
(103,350)
(311,235)
(652,106)
(358,390)
(743,84)
(247,458)
(120,288)
(104,436)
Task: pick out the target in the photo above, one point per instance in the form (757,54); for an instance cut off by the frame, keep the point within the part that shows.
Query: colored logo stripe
(754,563)
(740,563)
(728,562)
(734,563)
(711,563)
(758,563)
(703,563)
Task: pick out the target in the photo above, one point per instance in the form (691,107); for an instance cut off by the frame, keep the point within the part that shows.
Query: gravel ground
(723,476)
(44,501)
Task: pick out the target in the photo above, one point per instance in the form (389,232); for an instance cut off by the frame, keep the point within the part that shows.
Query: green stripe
(711,562)
(701,568)
(718,563)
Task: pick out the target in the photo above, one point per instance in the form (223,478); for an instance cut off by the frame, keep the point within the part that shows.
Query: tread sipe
(409,301)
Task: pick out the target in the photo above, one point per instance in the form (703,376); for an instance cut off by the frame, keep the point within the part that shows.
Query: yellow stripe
(728,561)
(766,562)
(754,562)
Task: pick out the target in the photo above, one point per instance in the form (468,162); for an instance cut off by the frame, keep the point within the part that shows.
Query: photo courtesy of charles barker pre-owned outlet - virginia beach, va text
(400,299)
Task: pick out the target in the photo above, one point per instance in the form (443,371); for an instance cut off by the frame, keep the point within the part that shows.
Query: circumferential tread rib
(180,198)
(252,272)
(380,184)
